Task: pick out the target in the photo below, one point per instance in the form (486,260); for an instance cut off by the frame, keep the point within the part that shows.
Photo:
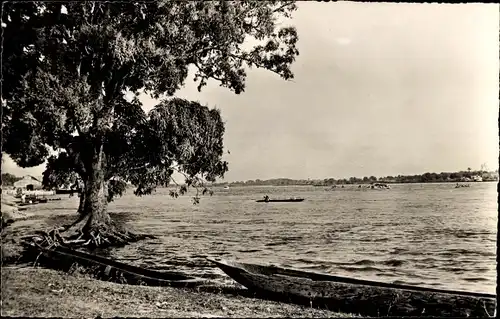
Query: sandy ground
(38,292)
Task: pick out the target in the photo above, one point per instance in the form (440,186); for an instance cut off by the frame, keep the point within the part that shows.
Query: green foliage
(60,172)
(192,146)
(9,179)
(115,188)
(68,66)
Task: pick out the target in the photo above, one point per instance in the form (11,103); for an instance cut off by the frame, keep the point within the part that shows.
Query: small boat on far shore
(368,298)
(33,200)
(67,191)
(380,186)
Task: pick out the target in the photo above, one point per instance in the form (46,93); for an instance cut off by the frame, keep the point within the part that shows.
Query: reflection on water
(422,234)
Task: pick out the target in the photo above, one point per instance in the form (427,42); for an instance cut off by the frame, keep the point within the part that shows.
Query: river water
(431,235)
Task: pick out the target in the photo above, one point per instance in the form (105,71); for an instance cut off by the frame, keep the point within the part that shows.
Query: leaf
(182,190)
(196,200)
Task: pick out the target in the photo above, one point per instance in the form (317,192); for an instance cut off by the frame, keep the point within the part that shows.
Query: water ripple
(421,234)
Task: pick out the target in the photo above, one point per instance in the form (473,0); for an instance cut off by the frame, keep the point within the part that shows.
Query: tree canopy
(68,68)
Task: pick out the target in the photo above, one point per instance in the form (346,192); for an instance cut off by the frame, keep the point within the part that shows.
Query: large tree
(70,68)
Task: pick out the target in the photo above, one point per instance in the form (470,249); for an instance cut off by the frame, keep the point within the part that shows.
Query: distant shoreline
(355,184)
(452,177)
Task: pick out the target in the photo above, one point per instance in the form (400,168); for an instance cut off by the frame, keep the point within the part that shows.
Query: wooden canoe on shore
(290,200)
(350,295)
(64,258)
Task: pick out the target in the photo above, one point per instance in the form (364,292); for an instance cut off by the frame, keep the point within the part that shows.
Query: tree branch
(195,185)
(286,4)
(250,62)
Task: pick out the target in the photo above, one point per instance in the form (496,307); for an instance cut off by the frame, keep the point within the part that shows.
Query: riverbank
(38,292)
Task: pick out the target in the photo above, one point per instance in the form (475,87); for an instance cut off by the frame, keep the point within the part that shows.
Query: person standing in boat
(266,198)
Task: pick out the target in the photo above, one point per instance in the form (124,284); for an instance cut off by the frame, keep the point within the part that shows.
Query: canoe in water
(107,269)
(356,296)
(290,200)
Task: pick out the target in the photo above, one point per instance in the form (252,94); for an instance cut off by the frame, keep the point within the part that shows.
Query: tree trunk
(81,207)
(94,227)
(95,194)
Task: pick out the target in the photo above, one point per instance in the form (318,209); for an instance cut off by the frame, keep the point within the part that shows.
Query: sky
(380,89)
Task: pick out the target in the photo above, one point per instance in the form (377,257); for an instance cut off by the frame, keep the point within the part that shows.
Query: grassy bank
(49,293)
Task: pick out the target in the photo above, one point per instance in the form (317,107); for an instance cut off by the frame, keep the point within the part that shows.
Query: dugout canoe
(64,258)
(290,200)
(357,296)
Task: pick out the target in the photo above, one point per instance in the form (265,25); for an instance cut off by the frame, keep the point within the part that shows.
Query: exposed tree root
(83,233)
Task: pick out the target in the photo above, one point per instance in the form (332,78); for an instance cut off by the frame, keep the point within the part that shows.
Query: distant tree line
(444,177)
